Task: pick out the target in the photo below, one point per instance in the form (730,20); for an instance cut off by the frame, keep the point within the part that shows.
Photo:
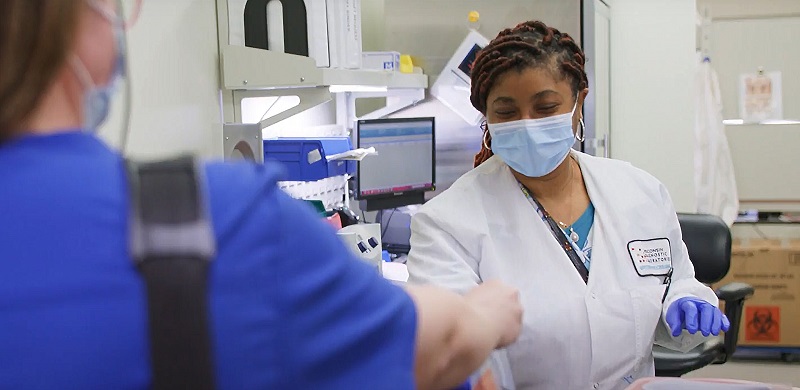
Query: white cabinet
(597,109)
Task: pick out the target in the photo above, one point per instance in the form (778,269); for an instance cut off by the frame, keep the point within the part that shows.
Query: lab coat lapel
(619,218)
(600,254)
(514,222)
(604,227)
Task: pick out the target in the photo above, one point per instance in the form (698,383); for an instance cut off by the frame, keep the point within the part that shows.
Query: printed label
(762,323)
(651,257)
(314,156)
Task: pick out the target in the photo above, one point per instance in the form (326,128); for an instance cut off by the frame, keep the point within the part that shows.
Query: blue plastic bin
(305,158)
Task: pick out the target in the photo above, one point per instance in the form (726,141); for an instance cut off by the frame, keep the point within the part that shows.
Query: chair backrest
(708,240)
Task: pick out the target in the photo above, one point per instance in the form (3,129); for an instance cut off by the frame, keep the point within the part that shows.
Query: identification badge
(651,257)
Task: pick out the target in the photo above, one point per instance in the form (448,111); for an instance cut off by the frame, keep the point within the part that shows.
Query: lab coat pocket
(647,312)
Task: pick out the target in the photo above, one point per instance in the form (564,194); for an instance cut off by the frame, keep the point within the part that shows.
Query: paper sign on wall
(760,97)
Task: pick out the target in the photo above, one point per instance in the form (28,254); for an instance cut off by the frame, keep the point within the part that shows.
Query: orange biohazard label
(762,323)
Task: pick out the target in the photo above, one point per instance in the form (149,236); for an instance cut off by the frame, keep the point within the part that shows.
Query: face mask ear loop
(134,17)
(126,121)
(81,72)
(104,11)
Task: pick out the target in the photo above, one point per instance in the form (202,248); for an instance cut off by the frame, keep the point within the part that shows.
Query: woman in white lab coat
(593,244)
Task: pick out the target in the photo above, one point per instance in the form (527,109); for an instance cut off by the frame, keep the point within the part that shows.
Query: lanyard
(575,256)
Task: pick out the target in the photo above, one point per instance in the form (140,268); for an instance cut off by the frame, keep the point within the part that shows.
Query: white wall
(737,46)
(740,46)
(745,35)
(765,160)
(373,20)
(174,68)
(653,63)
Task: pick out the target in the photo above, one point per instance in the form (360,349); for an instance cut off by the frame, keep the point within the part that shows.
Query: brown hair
(35,39)
(529,44)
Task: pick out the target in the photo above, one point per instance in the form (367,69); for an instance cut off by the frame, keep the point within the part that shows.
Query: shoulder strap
(172,244)
(559,235)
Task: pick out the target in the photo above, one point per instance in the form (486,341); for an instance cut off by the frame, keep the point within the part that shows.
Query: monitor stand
(392,202)
(395,231)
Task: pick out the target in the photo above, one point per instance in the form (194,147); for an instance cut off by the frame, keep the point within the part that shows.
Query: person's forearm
(453,338)
(475,339)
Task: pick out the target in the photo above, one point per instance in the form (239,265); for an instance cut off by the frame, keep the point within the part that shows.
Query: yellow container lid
(406,65)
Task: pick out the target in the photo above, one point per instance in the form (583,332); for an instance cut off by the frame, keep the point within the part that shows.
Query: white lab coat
(715,182)
(574,336)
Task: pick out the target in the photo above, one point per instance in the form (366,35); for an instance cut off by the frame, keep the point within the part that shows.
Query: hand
(500,307)
(486,382)
(695,314)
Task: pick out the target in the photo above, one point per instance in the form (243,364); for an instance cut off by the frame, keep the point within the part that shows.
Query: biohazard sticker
(762,323)
(651,257)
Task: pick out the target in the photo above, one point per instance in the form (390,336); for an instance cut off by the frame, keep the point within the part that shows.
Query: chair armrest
(735,291)
(734,295)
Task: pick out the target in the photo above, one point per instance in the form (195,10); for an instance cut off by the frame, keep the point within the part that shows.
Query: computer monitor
(405,167)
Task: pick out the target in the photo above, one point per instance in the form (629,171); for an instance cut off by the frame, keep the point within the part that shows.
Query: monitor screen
(405,161)
(468,61)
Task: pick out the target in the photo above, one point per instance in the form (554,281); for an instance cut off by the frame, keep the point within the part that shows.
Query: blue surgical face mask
(534,147)
(97,98)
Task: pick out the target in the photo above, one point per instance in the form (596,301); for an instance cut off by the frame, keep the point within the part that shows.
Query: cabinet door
(596,36)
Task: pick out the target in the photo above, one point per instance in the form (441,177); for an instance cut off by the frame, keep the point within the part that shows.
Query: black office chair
(708,240)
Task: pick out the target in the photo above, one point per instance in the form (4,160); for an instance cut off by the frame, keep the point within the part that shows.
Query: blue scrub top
(290,307)
(583,227)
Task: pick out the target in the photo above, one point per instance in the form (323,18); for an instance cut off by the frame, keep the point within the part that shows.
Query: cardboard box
(772,316)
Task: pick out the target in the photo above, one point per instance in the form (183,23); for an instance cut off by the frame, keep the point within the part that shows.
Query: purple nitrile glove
(695,314)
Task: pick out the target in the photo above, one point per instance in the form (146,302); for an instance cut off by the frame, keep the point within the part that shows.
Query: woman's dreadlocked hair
(528,45)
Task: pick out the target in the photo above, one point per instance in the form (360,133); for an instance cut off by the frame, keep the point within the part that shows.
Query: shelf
(373,78)
(741,122)
(767,222)
(246,68)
